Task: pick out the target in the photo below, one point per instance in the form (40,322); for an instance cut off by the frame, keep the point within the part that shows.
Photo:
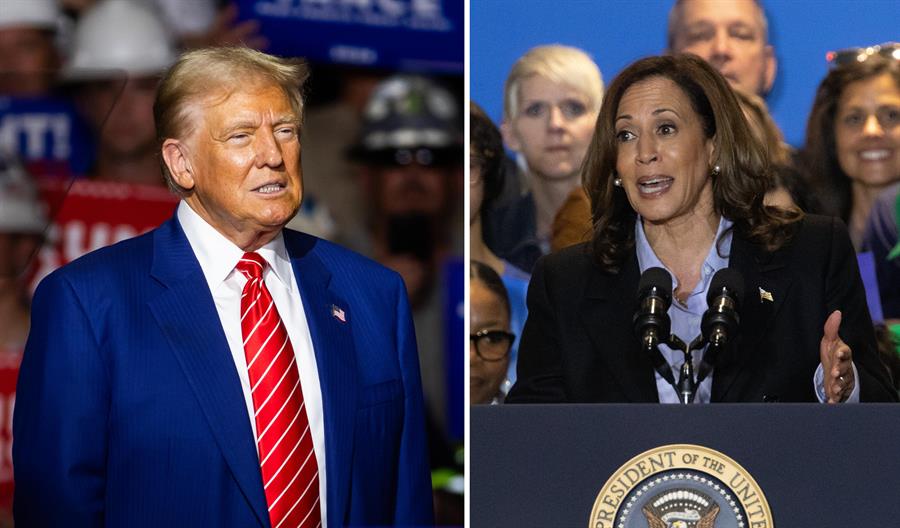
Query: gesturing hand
(837,361)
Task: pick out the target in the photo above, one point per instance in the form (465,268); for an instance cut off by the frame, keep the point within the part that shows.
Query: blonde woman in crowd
(551,99)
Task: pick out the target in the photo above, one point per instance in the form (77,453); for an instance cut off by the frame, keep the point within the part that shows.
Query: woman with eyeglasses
(677,182)
(486,179)
(490,340)
(853,160)
(880,134)
(853,136)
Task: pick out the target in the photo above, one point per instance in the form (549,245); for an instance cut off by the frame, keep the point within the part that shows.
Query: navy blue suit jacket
(130,413)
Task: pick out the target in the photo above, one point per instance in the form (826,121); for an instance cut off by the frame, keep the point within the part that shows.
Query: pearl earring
(716,170)
(617,182)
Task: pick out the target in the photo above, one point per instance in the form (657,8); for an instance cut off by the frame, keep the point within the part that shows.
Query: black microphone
(651,321)
(721,321)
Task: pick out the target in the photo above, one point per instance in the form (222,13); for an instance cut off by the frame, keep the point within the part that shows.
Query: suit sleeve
(414,503)
(539,366)
(60,420)
(844,291)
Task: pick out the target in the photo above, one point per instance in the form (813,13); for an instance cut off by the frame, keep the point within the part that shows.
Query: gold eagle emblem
(683,508)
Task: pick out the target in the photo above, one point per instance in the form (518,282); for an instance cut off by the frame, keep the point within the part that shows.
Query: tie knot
(251,265)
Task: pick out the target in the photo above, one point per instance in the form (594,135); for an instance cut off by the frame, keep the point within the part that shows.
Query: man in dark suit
(220,370)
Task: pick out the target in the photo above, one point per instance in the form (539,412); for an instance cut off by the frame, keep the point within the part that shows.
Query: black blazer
(578,344)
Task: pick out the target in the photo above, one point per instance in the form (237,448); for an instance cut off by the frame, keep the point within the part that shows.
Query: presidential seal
(681,486)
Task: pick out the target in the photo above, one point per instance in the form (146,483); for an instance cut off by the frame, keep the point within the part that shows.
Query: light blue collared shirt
(686,318)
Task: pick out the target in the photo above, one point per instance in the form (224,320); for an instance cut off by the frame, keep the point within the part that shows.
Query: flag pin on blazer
(765,295)
(338,313)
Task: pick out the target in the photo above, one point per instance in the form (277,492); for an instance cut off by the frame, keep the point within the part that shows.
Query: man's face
(244,162)
(412,189)
(28,61)
(16,250)
(730,36)
(122,113)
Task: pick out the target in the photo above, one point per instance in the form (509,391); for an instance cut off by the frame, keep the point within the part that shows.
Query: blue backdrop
(616,33)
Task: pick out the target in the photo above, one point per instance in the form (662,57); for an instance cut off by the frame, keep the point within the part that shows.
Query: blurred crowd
(80,169)
(534,202)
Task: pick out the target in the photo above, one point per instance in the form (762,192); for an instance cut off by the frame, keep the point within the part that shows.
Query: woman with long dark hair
(852,150)
(677,181)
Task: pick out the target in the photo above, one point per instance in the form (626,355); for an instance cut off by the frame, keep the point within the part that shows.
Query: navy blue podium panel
(821,466)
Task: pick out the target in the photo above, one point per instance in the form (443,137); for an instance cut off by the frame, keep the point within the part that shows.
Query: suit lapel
(336,361)
(608,306)
(764,293)
(187,315)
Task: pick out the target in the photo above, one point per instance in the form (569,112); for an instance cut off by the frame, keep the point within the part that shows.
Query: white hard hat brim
(40,14)
(79,75)
(21,217)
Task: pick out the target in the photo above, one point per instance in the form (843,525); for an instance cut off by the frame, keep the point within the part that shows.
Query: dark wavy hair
(487,149)
(738,190)
(821,168)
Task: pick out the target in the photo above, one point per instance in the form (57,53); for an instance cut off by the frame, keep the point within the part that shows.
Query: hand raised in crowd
(837,361)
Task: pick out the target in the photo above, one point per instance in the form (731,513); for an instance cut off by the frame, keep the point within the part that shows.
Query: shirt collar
(218,256)
(714,262)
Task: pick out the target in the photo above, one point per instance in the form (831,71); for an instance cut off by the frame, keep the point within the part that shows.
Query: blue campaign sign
(454,345)
(47,134)
(425,36)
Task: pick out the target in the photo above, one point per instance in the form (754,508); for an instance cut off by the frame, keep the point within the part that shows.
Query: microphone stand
(685,387)
(660,365)
(687,383)
(705,367)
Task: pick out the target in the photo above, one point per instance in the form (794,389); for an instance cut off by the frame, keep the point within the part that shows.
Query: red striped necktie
(286,458)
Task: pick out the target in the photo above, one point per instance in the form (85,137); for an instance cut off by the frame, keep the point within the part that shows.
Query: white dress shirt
(218,256)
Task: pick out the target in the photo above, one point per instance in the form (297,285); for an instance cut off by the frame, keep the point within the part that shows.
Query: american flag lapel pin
(765,296)
(338,313)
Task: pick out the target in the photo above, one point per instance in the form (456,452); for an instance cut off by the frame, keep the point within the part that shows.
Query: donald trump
(221,370)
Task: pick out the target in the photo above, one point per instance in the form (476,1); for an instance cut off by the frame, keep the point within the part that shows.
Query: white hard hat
(20,210)
(32,13)
(118,36)
(410,112)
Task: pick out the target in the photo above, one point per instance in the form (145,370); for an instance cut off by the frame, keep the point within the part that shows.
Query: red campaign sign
(92,214)
(9,371)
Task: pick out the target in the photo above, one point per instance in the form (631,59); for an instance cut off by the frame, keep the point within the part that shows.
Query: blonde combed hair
(202,73)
